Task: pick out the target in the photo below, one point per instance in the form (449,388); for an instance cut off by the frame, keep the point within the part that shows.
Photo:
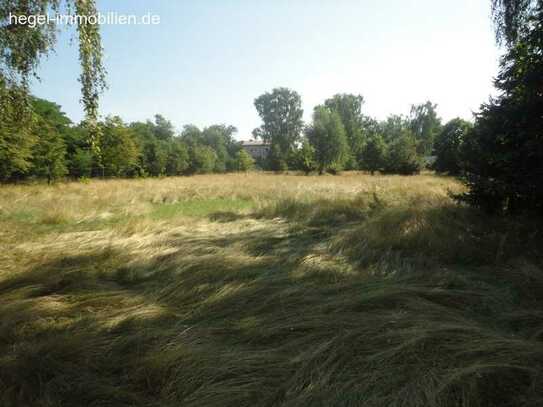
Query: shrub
(202,159)
(402,157)
(81,163)
(373,154)
(448,146)
(244,162)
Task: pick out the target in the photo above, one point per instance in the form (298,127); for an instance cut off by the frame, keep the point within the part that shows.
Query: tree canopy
(448,146)
(425,125)
(281,113)
(511,17)
(22,46)
(349,109)
(328,138)
(504,154)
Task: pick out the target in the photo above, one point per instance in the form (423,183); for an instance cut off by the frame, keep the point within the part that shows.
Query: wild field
(266,290)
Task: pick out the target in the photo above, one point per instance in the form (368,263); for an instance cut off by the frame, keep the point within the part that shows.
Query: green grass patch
(22,216)
(40,222)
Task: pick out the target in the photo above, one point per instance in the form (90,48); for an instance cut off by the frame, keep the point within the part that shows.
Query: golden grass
(270,290)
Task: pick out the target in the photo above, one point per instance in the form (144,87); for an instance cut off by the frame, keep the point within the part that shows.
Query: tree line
(340,137)
(54,148)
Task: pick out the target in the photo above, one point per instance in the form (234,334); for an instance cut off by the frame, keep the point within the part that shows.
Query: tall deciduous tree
(425,125)
(393,127)
(162,128)
(281,113)
(328,137)
(448,146)
(349,109)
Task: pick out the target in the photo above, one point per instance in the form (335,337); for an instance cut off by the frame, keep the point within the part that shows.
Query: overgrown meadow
(269,290)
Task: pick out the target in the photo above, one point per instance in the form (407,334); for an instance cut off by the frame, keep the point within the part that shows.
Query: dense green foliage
(281,113)
(511,18)
(119,149)
(16,141)
(340,137)
(425,125)
(212,149)
(374,154)
(504,154)
(48,153)
(349,109)
(305,159)
(448,146)
(244,162)
(328,138)
(22,46)
(53,147)
(402,157)
(178,159)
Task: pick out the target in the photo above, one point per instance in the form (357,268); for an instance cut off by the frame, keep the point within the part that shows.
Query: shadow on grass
(368,229)
(285,315)
(226,216)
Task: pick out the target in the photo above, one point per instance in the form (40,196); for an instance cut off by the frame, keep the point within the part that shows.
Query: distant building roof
(254,143)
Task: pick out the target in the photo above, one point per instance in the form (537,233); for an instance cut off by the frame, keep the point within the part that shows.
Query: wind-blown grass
(266,290)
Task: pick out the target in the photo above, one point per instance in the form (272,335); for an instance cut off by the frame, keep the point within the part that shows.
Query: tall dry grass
(268,290)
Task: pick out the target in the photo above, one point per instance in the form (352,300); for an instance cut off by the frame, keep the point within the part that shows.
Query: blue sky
(208,60)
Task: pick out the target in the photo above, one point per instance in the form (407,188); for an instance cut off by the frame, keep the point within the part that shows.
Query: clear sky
(208,60)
